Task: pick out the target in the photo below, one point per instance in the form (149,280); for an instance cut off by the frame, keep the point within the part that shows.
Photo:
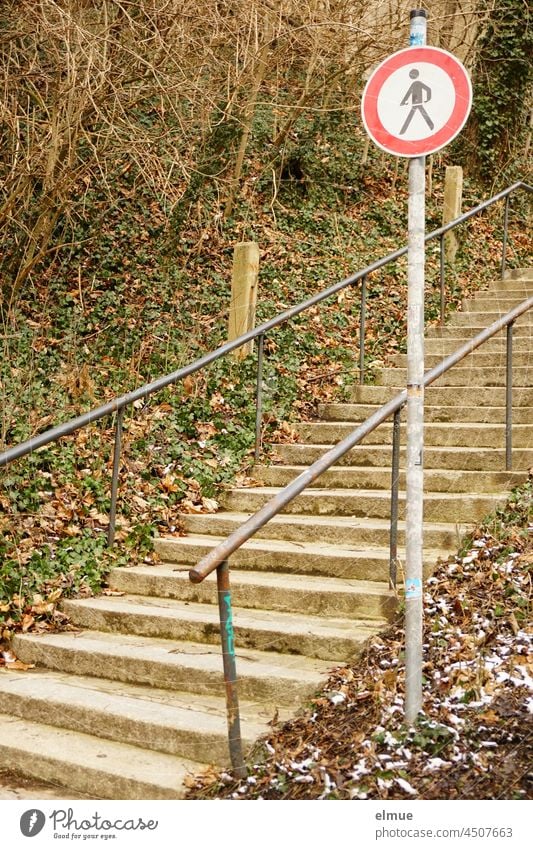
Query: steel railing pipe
(65,429)
(505,234)
(395,487)
(227,637)
(509,399)
(441,282)
(114,481)
(259,395)
(362,330)
(223,550)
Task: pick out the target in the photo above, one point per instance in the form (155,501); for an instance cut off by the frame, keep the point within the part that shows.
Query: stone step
(443,347)
(473,377)
(491,301)
(438,507)
(313,595)
(517,273)
(513,288)
(342,530)
(365,563)
(182,724)
(511,284)
(100,769)
(465,434)
(171,619)
(476,360)
(484,318)
(451,457)
(461,331)
(484,415)
(447,396)
(524,285)
(168,664)
(362,477)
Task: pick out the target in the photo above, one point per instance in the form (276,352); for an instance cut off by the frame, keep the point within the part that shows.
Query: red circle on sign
(430,144)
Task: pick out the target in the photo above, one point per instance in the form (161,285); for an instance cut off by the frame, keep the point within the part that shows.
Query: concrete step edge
(92,766)
(184,725)
(193,541)
(172,664)
(324,637)
(321,595)
(330,521)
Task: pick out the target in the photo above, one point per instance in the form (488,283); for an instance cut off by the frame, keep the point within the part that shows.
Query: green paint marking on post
(230,637)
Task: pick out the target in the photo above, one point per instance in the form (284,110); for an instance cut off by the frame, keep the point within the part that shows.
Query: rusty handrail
(114,406)
(217,559)
(223,550)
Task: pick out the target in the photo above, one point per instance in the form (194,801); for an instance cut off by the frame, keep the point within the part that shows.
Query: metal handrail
(208,564)
(118,405)
(223,550)
(65,429)
(217,558)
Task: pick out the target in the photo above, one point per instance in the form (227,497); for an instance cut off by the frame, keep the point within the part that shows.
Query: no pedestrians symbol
(416,101)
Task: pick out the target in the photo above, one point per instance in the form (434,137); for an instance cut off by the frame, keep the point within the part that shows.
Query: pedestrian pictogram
(416,101)
(417,92)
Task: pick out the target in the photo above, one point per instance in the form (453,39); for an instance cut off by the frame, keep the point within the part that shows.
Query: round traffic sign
(416,101)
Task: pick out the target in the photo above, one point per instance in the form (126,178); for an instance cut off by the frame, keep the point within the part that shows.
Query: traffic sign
(416,101)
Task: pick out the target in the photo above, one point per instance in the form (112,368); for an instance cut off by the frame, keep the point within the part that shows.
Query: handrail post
(505,230)
(509,399)
(230,671)
(259,395)
(442,289)
(114,481)
(395,485)
(362,322)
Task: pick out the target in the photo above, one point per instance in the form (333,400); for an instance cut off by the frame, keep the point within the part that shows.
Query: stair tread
(83,758)
(366,493)
(166,708)
(353,469)
(332,549)
(314,521)
(282,580)
(325,626)
(179,653)
(325,446)
(436,426)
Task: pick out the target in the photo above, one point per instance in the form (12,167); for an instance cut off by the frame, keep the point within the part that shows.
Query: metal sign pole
(415,416)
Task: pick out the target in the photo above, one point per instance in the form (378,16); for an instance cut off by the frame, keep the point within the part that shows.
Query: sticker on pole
(413,588)
(416,101)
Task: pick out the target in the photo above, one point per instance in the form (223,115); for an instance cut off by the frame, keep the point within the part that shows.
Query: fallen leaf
(19,665)
(27,621)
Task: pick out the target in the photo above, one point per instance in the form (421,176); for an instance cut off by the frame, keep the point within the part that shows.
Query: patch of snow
(434,763)
(401,782)
(303,766)
(337,698)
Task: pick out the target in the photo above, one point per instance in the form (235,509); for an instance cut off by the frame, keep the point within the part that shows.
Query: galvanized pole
(415,416)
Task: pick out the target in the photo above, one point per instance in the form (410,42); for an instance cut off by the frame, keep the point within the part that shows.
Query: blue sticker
(413,588)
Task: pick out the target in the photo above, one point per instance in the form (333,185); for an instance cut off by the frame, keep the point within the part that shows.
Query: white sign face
(416,101)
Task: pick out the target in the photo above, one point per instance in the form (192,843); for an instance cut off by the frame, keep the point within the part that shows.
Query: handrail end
(195,577)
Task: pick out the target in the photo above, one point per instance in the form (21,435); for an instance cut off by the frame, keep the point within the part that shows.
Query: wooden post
(243,294)
(453,196)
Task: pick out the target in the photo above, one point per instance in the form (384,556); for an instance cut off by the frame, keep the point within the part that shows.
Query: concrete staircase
(133,703)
